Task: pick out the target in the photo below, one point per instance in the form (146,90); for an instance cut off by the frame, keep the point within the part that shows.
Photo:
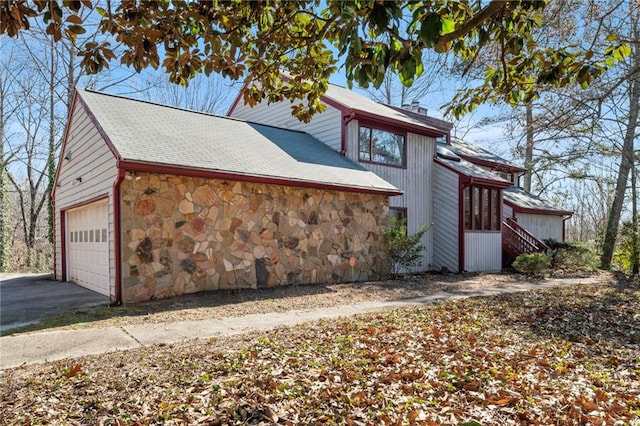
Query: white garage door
(88,246)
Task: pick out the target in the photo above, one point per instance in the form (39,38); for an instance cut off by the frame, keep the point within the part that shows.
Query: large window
(482,208)
(380,146)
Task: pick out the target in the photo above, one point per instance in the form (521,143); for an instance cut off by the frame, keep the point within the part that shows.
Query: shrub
(573,256)
(405,251)
(533,264)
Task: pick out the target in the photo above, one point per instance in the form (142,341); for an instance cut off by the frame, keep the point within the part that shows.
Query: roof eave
(501,167)
(134,165)
(360,114)
(471,180)
(529,210)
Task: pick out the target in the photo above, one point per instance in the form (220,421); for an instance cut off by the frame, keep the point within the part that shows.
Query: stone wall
(183,235)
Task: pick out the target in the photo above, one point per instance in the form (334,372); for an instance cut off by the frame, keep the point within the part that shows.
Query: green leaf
(448,26)
(430,29)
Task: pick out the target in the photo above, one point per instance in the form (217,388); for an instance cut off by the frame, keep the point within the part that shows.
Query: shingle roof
(151,133)
(466,168)
(354,101)
(526,201)
(469,150)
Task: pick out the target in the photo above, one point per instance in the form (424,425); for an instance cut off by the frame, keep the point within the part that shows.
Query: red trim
(117,237)
(526,210)
(346,119)
(389,129)
(431,121)
(495,166)
(461,250)
(64,144)
(476,181)
(63,227)
(86,202)
(236,101)
(214,174)
(99,128)
(63,249)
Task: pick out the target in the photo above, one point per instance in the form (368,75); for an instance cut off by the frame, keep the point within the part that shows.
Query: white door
(88,246)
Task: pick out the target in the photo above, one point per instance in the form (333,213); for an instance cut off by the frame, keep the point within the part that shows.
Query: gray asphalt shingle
(146,132)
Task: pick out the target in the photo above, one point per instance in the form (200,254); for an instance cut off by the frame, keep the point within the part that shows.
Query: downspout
(346,119)
(116,238)
(461,225)
(564,228)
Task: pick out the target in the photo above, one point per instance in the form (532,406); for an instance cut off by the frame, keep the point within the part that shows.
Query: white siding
(324,126)
(415,180)
(542,226)
(446,229)
(92,161)
(507,211)
(482,251)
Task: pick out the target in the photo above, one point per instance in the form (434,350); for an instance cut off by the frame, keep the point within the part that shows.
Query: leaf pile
(557,356)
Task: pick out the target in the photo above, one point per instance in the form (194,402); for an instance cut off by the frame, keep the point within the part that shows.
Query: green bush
(573,256)
(405,251)
(624,256)
(533,264)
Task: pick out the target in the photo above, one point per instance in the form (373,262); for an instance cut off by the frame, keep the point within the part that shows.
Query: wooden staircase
(516,240)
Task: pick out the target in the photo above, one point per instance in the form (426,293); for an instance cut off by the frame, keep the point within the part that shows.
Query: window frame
(482,208)
(372,128)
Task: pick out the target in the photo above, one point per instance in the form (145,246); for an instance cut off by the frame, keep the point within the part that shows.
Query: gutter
(116,238)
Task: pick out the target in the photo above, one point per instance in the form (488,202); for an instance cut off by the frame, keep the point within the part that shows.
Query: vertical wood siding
(445,219)
(325,126)
(507,211)
(542,226)
(92,161)
(415,180)
(482,251)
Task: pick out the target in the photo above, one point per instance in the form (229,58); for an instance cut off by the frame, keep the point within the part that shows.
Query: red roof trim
(236,101)
(501,167)
(217,174)
(98,126)
(527,210)
(64,145)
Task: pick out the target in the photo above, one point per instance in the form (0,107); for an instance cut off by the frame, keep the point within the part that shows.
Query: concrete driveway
(29,298)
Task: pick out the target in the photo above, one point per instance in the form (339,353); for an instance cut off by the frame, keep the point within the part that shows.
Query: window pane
(104,235)
(91,235)
(80,232)
(365,144)
(97,232)
(86,236)
(381,146)
(476,208)
(486,211)
(497,220)
(467,208)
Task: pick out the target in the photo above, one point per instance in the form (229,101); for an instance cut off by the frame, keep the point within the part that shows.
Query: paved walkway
(55,345)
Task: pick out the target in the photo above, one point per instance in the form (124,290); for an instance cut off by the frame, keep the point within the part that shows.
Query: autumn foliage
(566,356)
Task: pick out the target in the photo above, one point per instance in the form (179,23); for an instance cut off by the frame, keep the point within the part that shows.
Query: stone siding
(184,235)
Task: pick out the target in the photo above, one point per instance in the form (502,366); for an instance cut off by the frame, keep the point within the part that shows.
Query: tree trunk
(51,166)
(5,244)
(635,240)
(626,162)
(528,151)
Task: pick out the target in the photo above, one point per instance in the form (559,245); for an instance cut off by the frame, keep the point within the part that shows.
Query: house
(395,146)
(153,201)
(464,193)
(527,220)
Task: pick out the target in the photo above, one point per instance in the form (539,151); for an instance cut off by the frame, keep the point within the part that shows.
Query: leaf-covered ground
(559,356)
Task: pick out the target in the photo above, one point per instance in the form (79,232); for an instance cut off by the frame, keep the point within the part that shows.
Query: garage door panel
(88,247)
